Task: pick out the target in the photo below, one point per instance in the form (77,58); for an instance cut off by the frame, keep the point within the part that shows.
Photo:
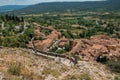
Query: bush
(53,49)
(114,65)
(46,71)
(60,51)
(67,47)
(15,68)
(85,77)
(116,78)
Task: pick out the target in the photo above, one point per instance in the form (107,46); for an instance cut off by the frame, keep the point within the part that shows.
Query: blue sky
(28,2)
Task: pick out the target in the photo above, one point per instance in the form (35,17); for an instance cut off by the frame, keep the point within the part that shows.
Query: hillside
(21,64)
(11,7)
(110,5)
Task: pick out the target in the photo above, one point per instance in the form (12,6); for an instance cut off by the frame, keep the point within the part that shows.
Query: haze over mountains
(11,7)
(109,5)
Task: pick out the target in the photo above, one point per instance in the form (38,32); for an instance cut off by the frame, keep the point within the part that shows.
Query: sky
(29,2)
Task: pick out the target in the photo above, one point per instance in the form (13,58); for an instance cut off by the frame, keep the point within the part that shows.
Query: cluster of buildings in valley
(86,49)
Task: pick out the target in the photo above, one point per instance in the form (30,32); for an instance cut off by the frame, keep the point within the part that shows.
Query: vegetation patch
(114,65)
(77,77)
(85,77)
(116,78)
(48,71)
(15,68)
(71,77)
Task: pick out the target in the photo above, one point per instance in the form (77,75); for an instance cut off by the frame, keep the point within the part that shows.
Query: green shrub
(114,65)
(60,51)
(84,77)
(53,49)
(15,68)
(116,78)
(67,47)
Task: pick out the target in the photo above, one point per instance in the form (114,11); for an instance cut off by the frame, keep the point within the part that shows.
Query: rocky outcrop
(1,76)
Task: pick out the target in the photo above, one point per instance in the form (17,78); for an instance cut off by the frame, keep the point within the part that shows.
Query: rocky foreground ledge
(21,64)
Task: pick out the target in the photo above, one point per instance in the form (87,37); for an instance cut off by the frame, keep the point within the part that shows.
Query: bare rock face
(1,76)
(100,45)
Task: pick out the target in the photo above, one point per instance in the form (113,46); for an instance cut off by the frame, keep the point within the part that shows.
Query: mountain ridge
(6,8)
(108,5)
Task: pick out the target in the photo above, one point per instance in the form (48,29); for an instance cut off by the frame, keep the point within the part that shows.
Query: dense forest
(14,32)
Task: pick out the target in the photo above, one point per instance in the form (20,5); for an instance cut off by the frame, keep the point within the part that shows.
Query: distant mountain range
(11,7)
(109,5)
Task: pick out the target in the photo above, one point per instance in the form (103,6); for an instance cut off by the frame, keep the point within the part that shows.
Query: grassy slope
(38,68)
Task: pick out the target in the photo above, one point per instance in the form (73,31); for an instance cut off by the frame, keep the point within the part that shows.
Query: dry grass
(77,77)
(15,63)
(31,67)
(71,77)
(53,72)
(15,68)
(85,77)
